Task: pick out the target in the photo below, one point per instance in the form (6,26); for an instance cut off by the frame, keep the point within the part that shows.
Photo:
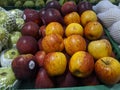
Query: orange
(87,16)
(74,28)
(72,17)
(54,28)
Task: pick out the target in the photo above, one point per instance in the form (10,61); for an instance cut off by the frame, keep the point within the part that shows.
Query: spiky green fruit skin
(7,77)
(17,13)
(7,20)
(4,36)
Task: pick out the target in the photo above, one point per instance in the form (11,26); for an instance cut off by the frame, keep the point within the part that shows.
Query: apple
(93,30)
(43,80)
(68,7)
(27,45)
(52,43)
(83,6)
(100,48)
(42,30)
(52,15)
(30,29)
(53,4)
(107,70)
(81,64)
(87,16)
(40,55)
(72,17)
(7,56)
(90,80)
(24,66)
(55,63)
(32,15)
(66,80)
(74,43)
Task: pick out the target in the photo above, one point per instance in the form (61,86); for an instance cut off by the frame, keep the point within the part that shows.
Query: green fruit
(7,77)
(7,20)
(17,13)
(18,4)
(39,3)
(7,56)
(14,36)
(4,35)
(29,4)
(20,22)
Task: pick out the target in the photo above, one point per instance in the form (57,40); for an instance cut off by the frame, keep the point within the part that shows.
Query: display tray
(30,84)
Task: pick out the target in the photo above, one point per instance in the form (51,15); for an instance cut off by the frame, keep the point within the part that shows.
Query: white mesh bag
(103,6)
(115,31)
(109,17)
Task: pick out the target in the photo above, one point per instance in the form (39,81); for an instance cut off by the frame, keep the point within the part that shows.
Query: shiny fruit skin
(87,16)
(27,45)
(74,43)
(93,30)
(72,17)
(24,66)
(100,48)
(73,29)
(52,43)
(54,27)
(81,64)
(55,63)
(108,70)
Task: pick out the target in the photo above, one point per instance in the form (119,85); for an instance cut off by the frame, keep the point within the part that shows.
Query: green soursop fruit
(4,36)
(7,20)
(17,13)
(18,4)
(19,22)
(2,9)
(7,78)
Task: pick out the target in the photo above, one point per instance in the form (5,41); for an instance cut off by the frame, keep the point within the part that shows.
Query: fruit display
(62,44)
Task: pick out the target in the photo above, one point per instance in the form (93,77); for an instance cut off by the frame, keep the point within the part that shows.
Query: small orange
(54,28)
(72,17)
(74,28)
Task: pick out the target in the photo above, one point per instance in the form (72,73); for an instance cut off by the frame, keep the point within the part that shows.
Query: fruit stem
(107,62)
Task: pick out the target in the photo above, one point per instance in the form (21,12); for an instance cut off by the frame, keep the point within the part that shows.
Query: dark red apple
(52,15)
(30,29)
(68,7)
(40,55)
(43,80)
(40,44)
(42,30)
(32,15)
(53,4)
(66,80)
(90,80)
(83,5)
(27,45)
(24,66)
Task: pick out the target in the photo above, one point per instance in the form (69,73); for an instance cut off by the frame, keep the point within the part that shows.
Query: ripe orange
(87,16)
(72,17)
(74,28)
(55,28)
